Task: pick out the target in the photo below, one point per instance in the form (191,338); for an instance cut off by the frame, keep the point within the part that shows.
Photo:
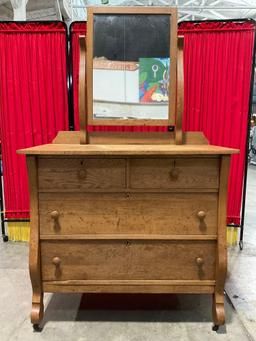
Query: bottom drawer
(128,260)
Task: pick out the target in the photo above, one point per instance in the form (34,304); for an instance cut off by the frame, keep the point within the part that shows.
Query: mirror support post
(82,90)
(180,92)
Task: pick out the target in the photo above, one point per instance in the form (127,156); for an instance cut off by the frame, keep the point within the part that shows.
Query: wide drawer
(179,173)
(128,260)
(78,174)
(138,213)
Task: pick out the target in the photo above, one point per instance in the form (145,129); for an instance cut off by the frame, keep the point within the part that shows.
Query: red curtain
(33,100)
(217,71)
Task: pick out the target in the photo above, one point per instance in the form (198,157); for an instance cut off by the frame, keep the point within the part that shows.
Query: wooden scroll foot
(218,311)
(37,312)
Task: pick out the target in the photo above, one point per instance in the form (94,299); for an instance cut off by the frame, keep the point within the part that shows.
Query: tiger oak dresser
(128,219)
(128,212)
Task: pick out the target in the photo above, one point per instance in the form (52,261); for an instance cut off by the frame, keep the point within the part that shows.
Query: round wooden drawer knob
(82,174)
(201,215)
(174,174)
(56,261)
(55,215)
(199,261)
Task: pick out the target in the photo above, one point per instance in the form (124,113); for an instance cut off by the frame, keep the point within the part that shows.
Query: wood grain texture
(82,90)
(127,212)
(67,137)
(130,122)
(131,10)
(174,173)
(124,213)
(180,92)
(81,174)
(173,66)
(128,236)
(127,150)
(130,260)
(73,137)
(172,12)
(137,282)
(123,239)
(117,288)
(89,65)
(221,255)
(34,246)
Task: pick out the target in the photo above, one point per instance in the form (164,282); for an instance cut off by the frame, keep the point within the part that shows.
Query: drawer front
(179,173)
(128,260)
(137,213)
(80,174)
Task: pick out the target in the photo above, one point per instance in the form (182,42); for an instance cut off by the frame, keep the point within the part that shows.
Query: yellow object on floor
(232,235)
(18,231)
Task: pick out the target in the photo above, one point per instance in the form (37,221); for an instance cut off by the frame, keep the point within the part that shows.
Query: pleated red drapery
(217,71)
(33,100)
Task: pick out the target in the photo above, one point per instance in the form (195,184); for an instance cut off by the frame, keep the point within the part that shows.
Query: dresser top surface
(126,150)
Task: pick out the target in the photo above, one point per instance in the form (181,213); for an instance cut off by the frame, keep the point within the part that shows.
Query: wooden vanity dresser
(128,212)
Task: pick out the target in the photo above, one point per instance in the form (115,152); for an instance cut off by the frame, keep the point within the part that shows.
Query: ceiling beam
(6,12)
(42,13)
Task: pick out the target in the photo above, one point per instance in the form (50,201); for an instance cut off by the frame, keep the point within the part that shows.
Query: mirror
(131,66)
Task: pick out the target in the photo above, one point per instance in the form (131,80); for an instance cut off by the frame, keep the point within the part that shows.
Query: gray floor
(191,320)
(241,282)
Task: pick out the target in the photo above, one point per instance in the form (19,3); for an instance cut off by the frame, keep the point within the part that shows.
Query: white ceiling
(187,9)
(36,10)
(72,10)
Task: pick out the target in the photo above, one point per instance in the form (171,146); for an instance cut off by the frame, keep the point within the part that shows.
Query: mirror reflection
(131,66)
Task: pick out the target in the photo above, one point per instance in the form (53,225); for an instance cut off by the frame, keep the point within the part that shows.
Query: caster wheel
(5,238)
(37,328)
(215,328)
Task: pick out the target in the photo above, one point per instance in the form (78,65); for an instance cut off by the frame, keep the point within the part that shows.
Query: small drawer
(178,173)
(138,213)
(69,174)
(128,260)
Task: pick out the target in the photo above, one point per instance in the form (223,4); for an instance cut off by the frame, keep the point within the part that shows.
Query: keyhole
(155,69)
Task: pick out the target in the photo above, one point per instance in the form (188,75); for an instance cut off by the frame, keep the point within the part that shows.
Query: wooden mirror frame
(180,92)
(91,11)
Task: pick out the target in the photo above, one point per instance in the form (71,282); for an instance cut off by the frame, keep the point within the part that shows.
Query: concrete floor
(190,320)
(241,281)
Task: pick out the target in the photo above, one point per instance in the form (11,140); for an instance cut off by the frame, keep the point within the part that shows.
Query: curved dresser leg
(37,312)
(34,246)
(218,311)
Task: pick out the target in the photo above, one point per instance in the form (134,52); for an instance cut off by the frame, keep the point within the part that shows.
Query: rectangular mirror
(133,69)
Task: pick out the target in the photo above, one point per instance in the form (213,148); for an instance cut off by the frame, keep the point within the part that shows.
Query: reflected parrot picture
(154,74)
